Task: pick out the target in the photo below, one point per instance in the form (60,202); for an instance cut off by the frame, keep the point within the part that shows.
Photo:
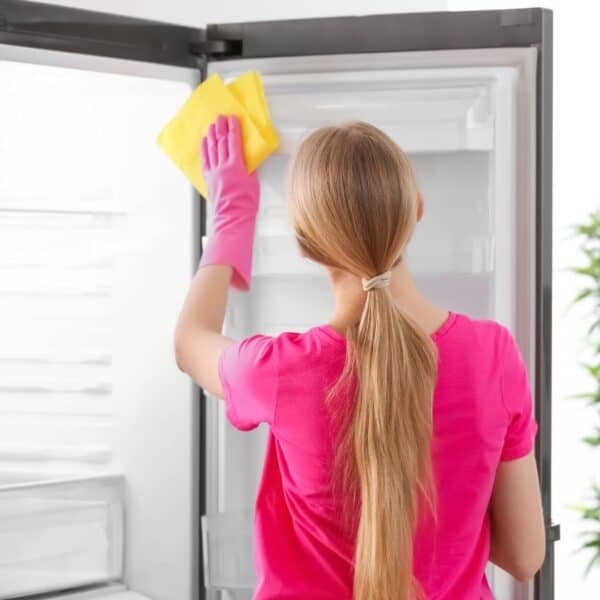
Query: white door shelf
(59,533)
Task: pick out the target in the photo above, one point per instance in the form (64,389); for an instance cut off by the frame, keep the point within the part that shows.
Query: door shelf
(59,533)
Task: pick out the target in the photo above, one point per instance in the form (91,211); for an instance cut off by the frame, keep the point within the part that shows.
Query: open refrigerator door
(98,238)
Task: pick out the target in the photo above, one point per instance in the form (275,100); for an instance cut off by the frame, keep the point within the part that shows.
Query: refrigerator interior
(98,236)
(466,118)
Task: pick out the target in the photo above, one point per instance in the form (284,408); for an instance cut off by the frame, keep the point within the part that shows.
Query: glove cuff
(233,247)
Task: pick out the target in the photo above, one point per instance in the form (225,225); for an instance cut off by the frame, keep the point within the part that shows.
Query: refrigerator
(119,478)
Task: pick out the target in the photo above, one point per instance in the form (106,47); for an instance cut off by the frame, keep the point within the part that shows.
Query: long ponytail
(352,194)
(390,436)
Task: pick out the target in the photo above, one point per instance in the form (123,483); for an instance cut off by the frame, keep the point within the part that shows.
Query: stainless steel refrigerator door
(467,120)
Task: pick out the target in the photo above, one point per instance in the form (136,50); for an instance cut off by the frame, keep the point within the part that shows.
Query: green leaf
(593,398)
(585,293)
(595,558)
(593,370)
(581,395)
(594,325)
(587,271)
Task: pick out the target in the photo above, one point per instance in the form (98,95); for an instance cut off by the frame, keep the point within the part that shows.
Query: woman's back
(385,440)
(482,414)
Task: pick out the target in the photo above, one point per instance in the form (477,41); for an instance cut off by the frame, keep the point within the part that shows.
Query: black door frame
(54,27)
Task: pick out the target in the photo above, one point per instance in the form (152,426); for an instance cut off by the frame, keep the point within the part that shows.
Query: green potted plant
(589,234)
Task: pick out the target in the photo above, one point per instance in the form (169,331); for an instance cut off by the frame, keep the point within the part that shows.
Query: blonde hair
(353,202)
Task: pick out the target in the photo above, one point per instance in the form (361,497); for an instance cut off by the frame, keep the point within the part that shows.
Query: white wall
(191,13)
(576,130)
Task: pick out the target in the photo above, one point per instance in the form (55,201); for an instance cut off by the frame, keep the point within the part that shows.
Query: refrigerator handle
(553,532)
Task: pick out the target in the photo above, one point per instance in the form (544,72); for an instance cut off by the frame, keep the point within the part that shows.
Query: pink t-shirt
(482,415)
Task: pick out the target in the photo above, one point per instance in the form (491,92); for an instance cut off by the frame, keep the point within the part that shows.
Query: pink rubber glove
(235,193)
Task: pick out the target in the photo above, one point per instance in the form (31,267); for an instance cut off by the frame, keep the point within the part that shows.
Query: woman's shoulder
(482,323)
(308,345)
(480,334)
(292,344)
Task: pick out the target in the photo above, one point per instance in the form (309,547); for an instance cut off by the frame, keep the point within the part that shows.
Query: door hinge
(216,49)
(553,532)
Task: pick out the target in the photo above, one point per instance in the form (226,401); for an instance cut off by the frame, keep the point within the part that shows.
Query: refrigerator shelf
(59,533)
(308,275)
(276,256)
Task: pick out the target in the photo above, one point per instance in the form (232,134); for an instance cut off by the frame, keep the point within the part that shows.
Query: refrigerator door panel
(98,241)
(467,120)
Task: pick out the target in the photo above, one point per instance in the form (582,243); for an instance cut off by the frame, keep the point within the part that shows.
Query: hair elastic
(379,281)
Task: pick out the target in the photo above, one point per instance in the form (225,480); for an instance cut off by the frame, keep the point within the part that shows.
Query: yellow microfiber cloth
(248,90)
(244,97)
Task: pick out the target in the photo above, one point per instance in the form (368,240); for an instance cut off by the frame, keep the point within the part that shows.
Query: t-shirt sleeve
(248,372)
(517,398)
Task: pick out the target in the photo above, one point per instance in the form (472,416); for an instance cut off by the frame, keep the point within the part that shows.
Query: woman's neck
(349,299)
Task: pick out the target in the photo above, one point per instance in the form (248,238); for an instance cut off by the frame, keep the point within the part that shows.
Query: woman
(400,457)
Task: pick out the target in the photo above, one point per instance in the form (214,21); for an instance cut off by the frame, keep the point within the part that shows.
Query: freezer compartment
(59,533)
(227,551)
(426,109)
